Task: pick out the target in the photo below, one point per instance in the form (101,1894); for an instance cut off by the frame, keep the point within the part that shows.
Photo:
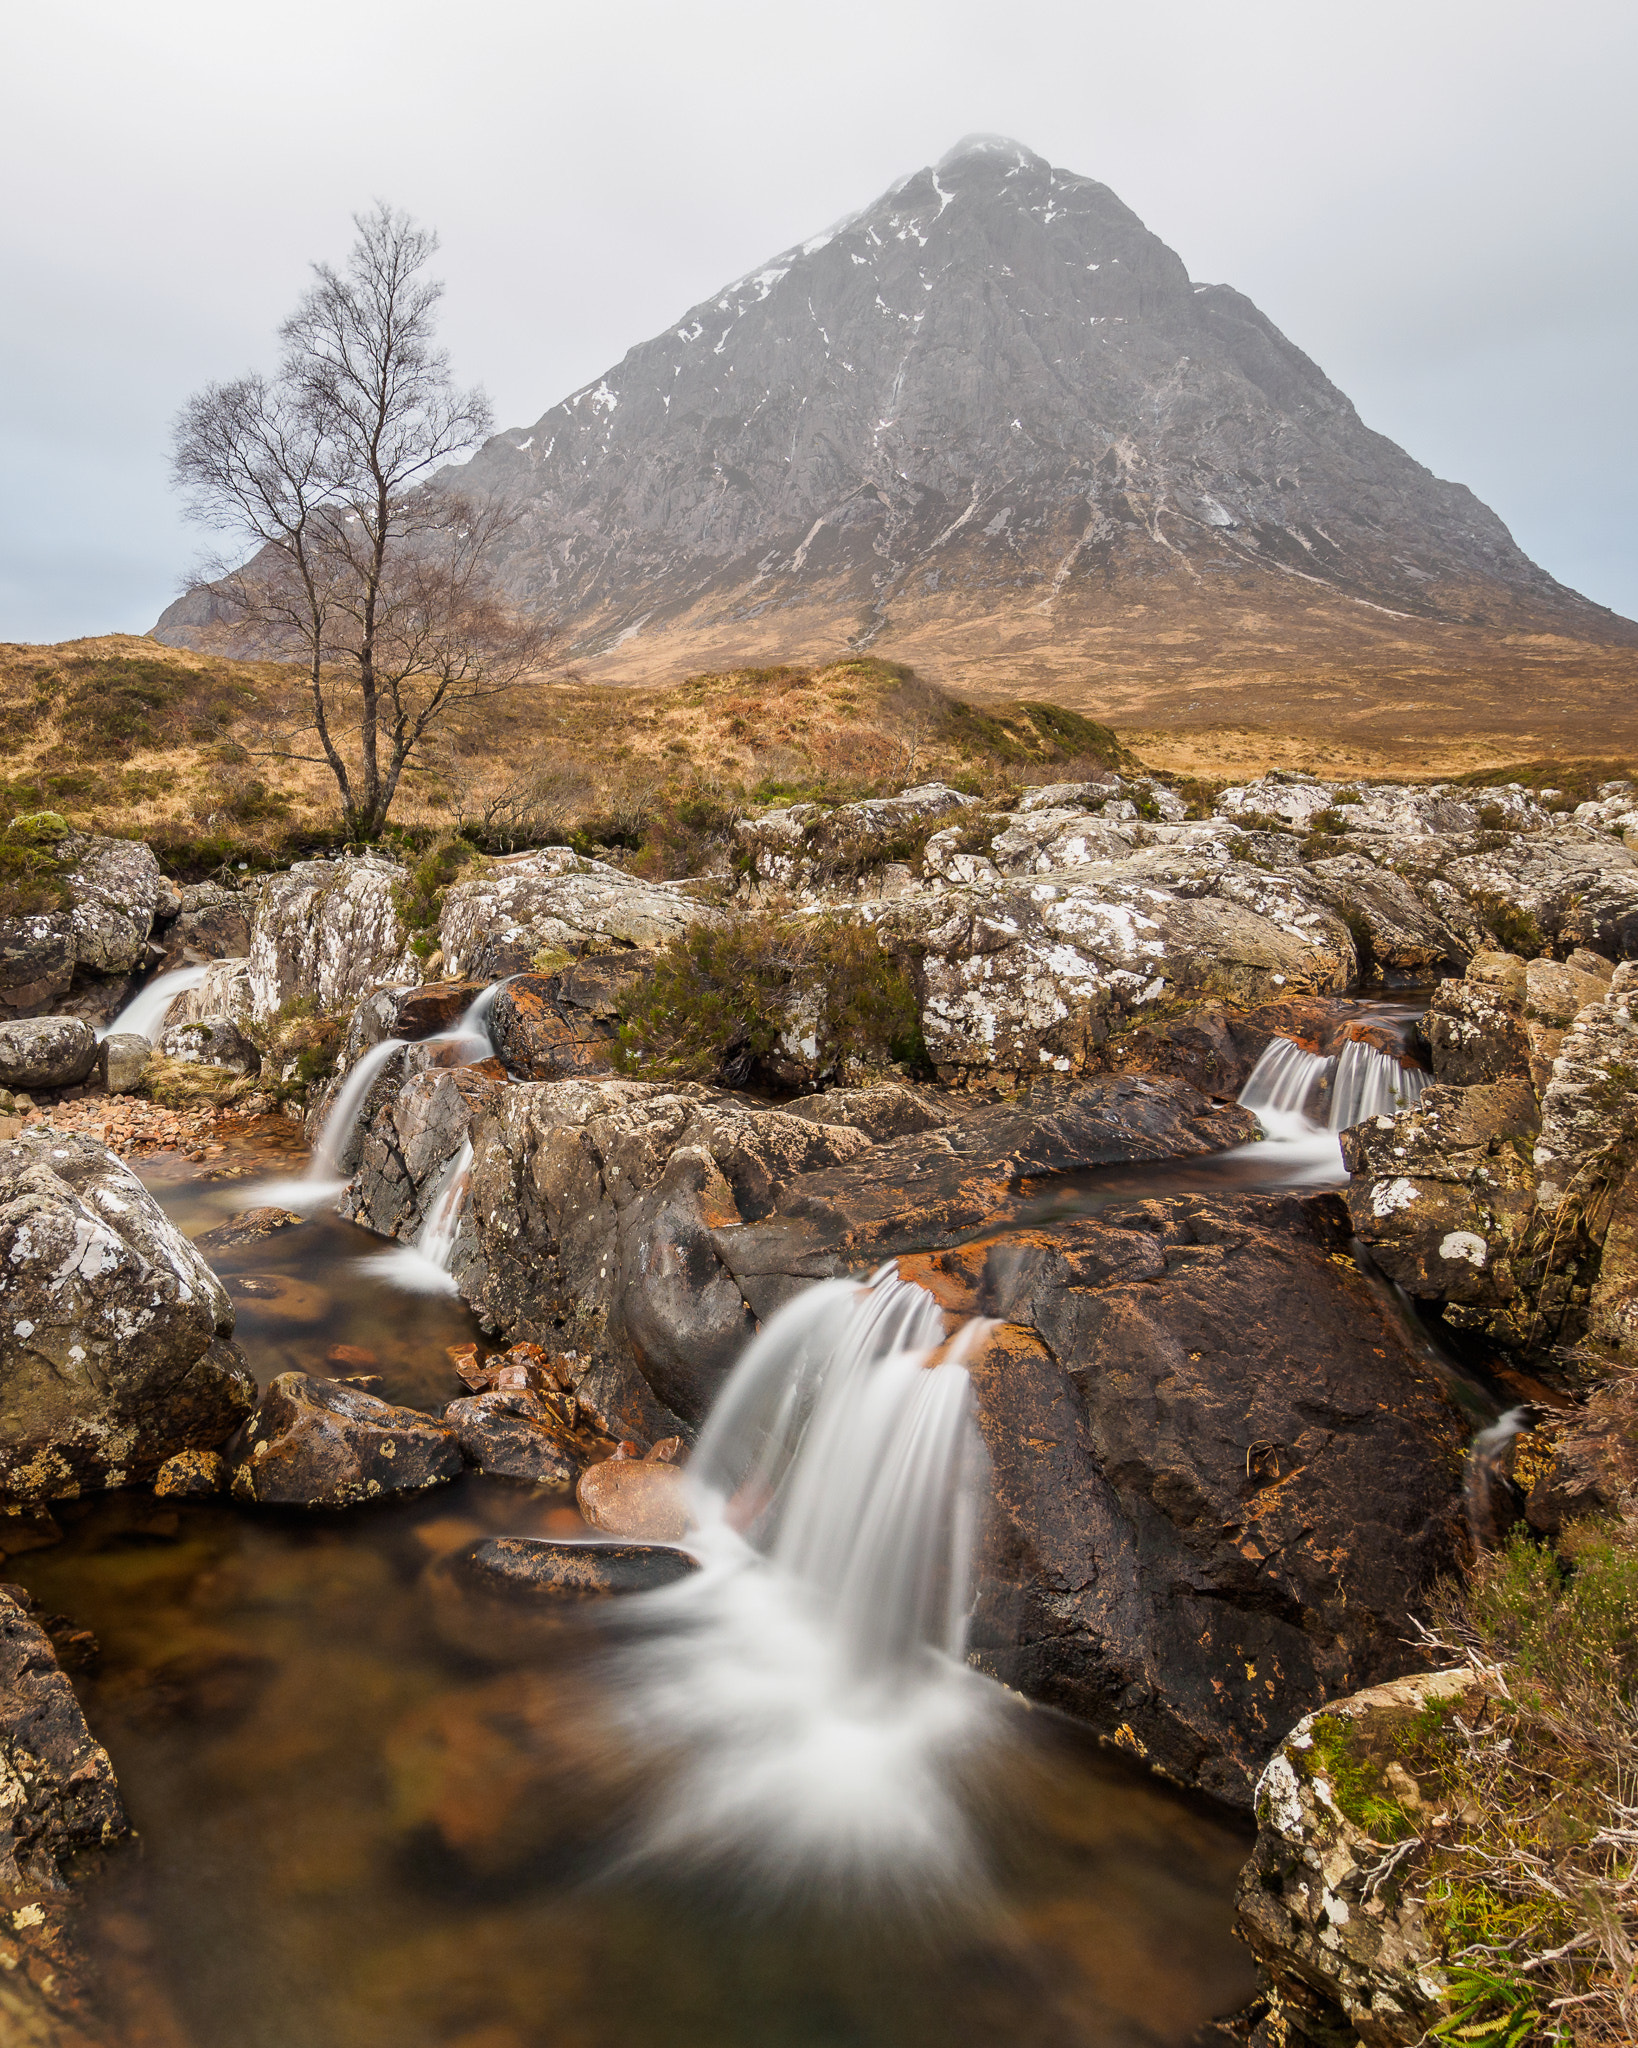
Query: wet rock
(514,1434)
(250,1226)
(317,1443)
(550,1027)
(435,1006)
(46,1052)
(118,1335)
(212,1042)
(57,1789)
(124,1058)
(192,1475)
(538,1567)
(329,930)
(1342,1954)
(557,904)
(409,1146)
(636,1497)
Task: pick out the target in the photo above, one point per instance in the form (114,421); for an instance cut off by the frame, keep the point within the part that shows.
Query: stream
(368,1816)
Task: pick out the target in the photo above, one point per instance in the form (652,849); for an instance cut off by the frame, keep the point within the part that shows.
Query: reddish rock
(550,1027)
(433,1007)
(636,1497)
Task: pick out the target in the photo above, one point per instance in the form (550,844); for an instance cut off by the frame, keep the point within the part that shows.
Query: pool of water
(370,1816)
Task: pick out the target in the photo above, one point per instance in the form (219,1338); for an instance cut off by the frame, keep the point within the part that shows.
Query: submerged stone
(635,1497)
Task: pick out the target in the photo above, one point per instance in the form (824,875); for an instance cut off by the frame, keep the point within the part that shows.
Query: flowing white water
(147,1010)
(423,1267)
(473,1021)
(1287,1092)
(806,1684)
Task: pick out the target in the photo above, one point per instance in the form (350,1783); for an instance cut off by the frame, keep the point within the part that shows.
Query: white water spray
(1284,1090)
(147,1010)
(807,1684)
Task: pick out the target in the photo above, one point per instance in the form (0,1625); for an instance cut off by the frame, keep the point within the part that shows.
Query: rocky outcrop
(57,1790)
(46,1052)
(92,946)
(553,1027)
(117,1336)
(544,909)
(316,1443)
(1344,1946)
(224,991)
(212,923)
(811,846)
(328,930)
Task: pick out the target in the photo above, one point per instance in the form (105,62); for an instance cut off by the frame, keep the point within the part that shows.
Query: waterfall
(473,1021)
(1493,1502)
(423,1267)
(147,1010)
(1303,1100)
(804,1693)
(335,1135)
(1283,1079)
(1368,1083)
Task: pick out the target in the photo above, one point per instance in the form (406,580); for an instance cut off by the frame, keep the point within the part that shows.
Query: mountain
(991,426)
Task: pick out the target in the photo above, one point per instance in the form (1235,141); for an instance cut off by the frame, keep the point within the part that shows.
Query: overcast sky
(1435,200)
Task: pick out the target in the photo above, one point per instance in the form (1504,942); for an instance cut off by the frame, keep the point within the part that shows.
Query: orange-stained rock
(635,1497)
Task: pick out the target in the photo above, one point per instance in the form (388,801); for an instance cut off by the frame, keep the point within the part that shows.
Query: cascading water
(807,1685)
(423,1267)
(1288,1086)
(473,1022)
(147,1010)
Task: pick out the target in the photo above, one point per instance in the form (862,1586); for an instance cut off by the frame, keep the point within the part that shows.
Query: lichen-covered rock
(192,1475)
(533,1567)
(328,930)
(1590,1465)
(46,1052)
(57,1790)
(213,923)
(223,992)
(1403,932)
(123,1060)
(1343,1944)
(512,1433)
(550,1027)
(317,1443)
(556,905)
(212,1042)
(810,846)
(1476,1032)
(116,1335)
(1579,888)
(1590,1107)
(118,893)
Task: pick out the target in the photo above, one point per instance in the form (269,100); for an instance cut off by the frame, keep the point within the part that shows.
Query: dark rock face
(1223,1479)
(551,1027)
(117,1336)
(321,1444)
(46,1052)
(508,1431)
(57,1789)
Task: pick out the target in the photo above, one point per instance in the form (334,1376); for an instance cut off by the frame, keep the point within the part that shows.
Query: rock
(1476,1033)
(212,923)
(883,1112)
(317,1443)
(212,1042)
(410,1143)
(124,1057)
(1402,933)
(536,1566)
(1591,1462)
(558,904)
(633,1497)
(550,1027)
(1445,1193)
(512,1433)
(46,1052)
(224,992)
(329,930)
(1342,1955)
(58,1795)
(118,1335)
(192,1475)
(118,892)
(435,1006)
(814,846)
(250,1226)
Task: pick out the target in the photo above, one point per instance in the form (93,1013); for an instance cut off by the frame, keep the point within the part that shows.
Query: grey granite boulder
(328,930)
(212,1042)
(124,1060)
(116,1335)
(548,907)
(46,1052)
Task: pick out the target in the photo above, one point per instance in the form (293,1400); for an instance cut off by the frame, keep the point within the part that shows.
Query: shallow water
(371,1816)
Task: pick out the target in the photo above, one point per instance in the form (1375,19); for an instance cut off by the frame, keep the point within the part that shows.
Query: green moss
(1355,1780)
(419,898)
(1514,930)
(31,876)
(721,997)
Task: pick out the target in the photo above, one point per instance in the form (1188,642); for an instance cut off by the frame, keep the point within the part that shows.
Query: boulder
(212,923)
(224,992)
(328,930)
(1401,932)
(46,1052)
(636,1497)
(212,1042)
(118,1346)
(250,1226)
(1476,1033)
(512,1433)
(534,1567)
(1342,1955)
(317,1443)
(36,963)
(58,1794)
(193,1475)
(124,1057)
(550,1027)
(814,846)
(559,905)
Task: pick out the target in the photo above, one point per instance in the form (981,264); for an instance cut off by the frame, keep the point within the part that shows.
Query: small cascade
(473,1022)
(1303,1101)
(805,1689)
(147,1010)
(335,1138)
(423,1267)
(1284,1079)
(1493,1501)
(1368,1082)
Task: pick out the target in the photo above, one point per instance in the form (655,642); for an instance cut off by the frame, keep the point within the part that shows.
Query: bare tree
(385,590)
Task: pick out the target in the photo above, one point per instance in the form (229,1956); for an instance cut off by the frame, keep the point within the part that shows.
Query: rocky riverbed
(1224,1395)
